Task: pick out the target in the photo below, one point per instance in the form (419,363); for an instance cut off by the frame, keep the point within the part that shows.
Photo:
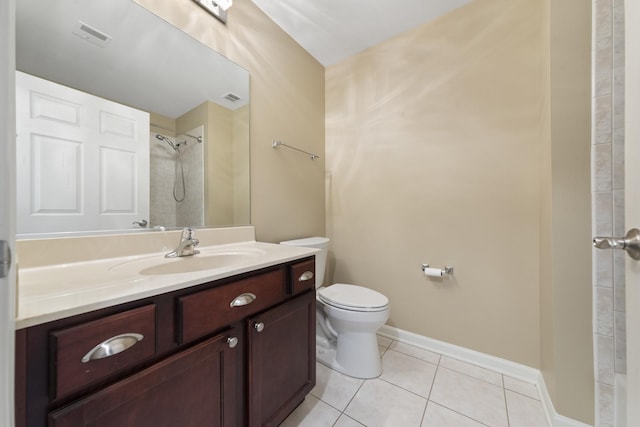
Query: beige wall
(287,103)
(218,188)
(546,185)
(465,142)
(165,125)
(192,210)
(565,286)
(227,189)
(241,168)
(433,158)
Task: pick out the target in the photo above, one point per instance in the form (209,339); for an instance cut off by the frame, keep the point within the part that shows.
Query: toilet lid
(351,297)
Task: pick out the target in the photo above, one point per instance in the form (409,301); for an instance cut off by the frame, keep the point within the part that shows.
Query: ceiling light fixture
(217,8)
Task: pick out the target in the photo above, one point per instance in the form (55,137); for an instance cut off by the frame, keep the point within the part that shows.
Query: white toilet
(347,320)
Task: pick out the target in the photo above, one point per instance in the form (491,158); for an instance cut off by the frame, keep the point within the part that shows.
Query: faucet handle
(188,233)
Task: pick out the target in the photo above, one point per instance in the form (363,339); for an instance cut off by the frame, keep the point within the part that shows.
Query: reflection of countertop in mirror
(51,291)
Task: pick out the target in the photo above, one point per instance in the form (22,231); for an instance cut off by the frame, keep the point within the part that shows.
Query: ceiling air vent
(91,34)
(231,97)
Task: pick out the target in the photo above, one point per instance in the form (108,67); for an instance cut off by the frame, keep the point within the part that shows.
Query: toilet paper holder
(445,272)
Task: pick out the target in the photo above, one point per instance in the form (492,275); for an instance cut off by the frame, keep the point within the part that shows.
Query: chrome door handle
(630,243)
(259,326)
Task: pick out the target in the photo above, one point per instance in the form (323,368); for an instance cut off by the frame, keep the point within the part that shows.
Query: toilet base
(360,355)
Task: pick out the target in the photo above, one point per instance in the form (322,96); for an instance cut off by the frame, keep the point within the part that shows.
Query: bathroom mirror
(184,106)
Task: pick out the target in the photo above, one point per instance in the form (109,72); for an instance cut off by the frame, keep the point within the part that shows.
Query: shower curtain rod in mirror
(198,138)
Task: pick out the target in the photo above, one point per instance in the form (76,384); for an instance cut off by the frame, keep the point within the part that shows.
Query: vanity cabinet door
(281,359)
(186,389)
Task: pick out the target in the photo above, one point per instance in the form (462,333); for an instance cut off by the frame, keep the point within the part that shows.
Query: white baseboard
(558,420)
(503,366)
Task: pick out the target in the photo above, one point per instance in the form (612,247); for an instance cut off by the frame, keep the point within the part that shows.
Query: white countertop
(54,292)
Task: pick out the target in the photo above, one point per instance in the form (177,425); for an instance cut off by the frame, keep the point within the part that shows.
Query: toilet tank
(321,243)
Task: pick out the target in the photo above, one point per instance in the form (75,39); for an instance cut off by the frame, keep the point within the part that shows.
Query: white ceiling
(332,30)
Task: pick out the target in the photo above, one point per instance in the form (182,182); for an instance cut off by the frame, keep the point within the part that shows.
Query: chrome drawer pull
(307,275)
(243,299)
(112,346)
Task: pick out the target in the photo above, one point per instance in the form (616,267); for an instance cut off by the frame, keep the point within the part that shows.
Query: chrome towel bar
(276,144)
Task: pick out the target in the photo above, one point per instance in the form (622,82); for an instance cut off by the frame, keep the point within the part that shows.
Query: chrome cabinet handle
(112,346)
(259,326)
(232,341)
(242,299)
(630,243)
(307,275)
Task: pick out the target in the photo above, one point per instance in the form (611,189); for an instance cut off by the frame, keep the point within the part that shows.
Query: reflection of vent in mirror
(231,97)
(90,34)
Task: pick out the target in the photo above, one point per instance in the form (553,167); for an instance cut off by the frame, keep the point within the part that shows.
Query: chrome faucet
(187,245)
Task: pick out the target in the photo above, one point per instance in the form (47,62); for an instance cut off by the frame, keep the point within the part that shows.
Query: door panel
(71,147)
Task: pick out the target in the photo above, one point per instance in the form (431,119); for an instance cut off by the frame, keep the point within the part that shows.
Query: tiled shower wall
(162,205)
(165,210)
(608,202)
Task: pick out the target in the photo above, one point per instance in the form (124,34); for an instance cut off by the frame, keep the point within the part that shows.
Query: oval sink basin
(208,259)
(194,263)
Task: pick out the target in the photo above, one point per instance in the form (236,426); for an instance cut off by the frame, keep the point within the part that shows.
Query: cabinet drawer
(303,277)
(89,352)
(204,312)
(195,387)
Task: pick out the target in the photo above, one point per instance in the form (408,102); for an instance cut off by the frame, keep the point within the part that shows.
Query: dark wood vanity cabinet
(281,359)
(200,361)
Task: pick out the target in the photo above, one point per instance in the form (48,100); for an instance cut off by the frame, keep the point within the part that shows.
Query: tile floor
(419,388)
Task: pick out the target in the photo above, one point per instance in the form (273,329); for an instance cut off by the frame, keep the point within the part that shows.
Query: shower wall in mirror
(177,185)
(197,131)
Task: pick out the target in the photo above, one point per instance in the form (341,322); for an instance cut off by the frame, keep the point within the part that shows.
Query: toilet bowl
(347,319)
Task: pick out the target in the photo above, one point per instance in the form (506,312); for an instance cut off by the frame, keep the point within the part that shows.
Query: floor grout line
(428,400)
(349,403)
(458,412)
(506,406)
(435,374)
(401,388)
(471,376)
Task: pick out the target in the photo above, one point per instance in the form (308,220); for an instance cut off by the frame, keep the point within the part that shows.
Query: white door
(632,206)
(7,207)
(83,161)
